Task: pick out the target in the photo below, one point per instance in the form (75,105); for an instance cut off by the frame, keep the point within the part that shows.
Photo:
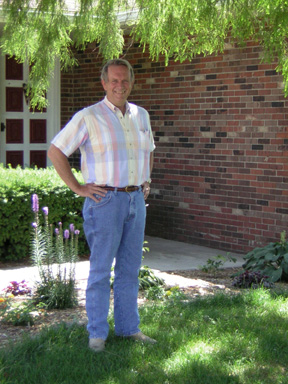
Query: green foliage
(43,31)
(158,292)
(216,262)
(16,188)
(23,313)
(175,293)
(148,279)
(19,313)
(155,293)
(56,293)
(181,29)
(215,339)
(271,260)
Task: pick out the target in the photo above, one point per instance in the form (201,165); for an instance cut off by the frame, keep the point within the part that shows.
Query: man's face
(118,86)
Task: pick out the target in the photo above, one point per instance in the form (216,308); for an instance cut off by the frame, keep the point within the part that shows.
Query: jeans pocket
(90,205)
(102,200)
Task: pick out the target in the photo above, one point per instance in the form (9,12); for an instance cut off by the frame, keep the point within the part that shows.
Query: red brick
(218,171)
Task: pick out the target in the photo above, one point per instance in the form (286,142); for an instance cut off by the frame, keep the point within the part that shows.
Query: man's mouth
(120,92)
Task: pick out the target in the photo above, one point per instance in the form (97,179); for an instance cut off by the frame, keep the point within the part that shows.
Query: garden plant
(271,260)
(55,255)
(250,279)
(216,262)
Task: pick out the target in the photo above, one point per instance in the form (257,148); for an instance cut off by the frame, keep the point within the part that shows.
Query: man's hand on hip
(146,189)
(90,190)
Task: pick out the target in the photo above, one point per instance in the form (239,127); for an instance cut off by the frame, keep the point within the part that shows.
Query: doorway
(25,135)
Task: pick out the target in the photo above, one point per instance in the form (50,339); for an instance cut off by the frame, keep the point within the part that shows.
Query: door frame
(52,113)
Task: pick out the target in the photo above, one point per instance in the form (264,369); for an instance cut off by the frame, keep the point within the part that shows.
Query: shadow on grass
(221,339)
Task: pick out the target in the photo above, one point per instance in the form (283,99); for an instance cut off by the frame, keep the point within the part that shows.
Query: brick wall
(220,126)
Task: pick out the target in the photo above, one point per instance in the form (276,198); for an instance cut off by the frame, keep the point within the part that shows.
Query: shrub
(16,187)
(271,260)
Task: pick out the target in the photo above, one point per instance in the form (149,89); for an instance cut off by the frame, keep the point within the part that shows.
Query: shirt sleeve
(151,138)
(72,136)
(152,143)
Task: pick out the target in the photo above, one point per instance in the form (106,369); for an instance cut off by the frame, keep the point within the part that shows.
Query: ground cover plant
(248,279)
(239,338)
(271,260)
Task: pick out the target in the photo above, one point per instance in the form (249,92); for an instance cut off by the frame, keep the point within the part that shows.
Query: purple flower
(60,224)
(56,231)
(66,234)
(45,211)
(77,232)
(35,203)
(71,227)
(34,225)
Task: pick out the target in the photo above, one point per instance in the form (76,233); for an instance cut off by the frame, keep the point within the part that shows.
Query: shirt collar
(115,109)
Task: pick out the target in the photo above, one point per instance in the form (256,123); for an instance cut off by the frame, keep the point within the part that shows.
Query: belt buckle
(127,188)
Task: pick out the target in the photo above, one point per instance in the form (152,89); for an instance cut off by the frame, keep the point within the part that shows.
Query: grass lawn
(241,338)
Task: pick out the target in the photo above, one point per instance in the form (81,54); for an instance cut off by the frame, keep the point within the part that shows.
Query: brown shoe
(97,345)
(142,338)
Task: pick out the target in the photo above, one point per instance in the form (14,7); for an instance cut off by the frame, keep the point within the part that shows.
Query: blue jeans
(114,228)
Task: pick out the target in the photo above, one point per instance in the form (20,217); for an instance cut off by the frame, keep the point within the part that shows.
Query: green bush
(271,260)
(16,189)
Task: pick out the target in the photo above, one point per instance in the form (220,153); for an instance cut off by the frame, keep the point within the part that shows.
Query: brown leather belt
(129,188)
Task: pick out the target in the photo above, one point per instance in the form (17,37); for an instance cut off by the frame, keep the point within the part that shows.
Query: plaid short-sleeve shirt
(115,149)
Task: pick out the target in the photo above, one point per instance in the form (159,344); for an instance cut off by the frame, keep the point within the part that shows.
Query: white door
(25,135)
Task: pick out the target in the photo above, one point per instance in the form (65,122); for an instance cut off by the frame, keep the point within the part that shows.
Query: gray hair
(125,63)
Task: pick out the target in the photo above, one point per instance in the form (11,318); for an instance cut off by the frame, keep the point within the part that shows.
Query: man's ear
(103,84)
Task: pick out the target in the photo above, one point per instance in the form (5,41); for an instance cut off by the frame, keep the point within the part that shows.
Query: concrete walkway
(163,256)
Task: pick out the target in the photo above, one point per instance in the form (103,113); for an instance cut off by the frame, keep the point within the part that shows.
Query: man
(116,145)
